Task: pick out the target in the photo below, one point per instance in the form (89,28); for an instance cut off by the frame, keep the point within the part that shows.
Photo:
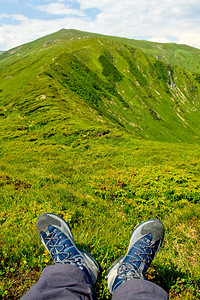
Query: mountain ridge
(144,95)
(179,53)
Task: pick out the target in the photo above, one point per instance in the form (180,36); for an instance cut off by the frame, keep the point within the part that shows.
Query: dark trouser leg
(139,289)
(59,282)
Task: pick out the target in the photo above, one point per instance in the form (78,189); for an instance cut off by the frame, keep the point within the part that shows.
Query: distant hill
(106,80)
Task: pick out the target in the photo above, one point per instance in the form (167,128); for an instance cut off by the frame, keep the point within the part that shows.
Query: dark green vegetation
(96,130)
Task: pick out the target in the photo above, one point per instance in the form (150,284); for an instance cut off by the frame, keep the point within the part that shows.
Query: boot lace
(138,260)
(61,249)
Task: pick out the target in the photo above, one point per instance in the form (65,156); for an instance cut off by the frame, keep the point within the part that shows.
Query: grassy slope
(149,98)
(67,152)
(180,55)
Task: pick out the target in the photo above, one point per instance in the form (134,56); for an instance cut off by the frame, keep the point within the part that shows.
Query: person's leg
(139,289)
(74,272)
(61,281)
(126,275)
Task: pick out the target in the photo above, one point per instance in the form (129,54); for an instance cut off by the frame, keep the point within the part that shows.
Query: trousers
(68,282)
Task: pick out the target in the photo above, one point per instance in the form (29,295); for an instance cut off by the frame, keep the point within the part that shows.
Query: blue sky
(160,21)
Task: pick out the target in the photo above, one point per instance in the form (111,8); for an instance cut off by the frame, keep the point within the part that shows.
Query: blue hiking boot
(56,236)
(144,244)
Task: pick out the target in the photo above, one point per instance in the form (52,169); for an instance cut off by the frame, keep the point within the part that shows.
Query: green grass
(90,131)
(86,183)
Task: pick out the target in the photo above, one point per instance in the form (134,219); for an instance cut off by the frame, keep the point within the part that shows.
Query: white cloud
(2,16)
(162,21)
(149,19)
(59,9)
(15,17)
(159,39)
(19,18)
(29,30)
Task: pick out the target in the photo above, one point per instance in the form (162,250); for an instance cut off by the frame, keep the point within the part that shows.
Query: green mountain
(148,97)
(92,125)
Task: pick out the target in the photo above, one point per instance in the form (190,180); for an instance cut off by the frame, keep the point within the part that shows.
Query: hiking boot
(144,244)
(56,236)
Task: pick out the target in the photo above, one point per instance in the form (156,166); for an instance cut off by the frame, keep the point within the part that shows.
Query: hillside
(92,125)
(147,97)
